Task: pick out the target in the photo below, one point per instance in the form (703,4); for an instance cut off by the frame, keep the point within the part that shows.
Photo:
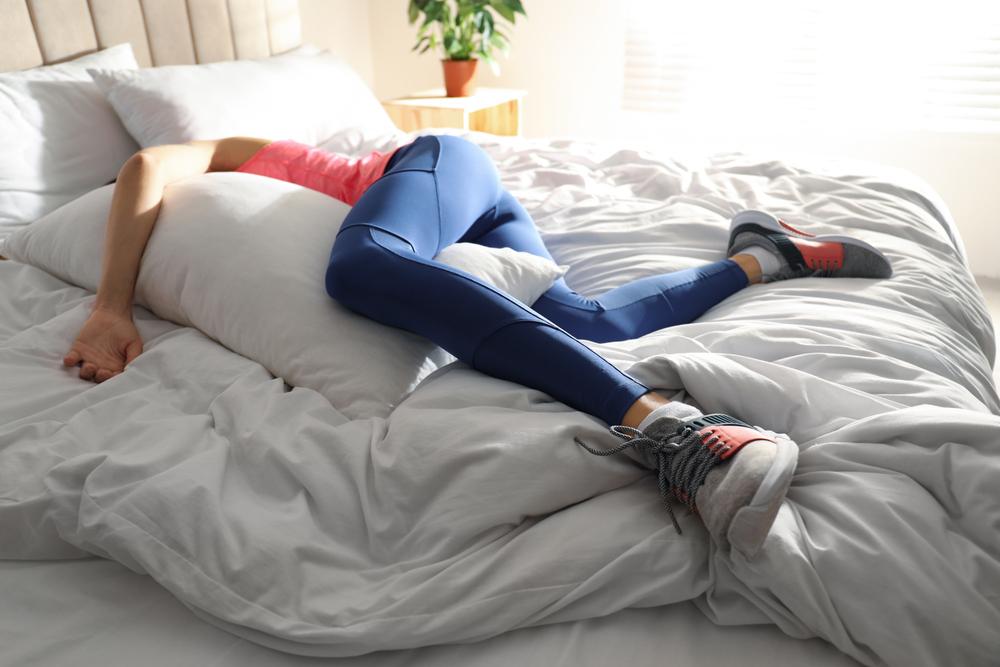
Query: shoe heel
(752,524)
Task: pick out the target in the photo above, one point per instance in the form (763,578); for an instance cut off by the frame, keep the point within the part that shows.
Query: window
(876,64)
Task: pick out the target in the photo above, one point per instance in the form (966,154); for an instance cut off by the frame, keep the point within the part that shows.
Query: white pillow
(521,275)
(243,258)
(299,95)
(59,137)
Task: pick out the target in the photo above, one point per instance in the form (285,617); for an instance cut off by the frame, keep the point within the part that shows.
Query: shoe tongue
(663,428)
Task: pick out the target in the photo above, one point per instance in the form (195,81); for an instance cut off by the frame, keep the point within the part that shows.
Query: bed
(208,507)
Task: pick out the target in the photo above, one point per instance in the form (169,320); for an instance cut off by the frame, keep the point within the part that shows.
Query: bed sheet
(96,612)
(885,385)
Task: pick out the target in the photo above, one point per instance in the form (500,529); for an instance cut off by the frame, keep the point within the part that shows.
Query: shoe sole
(752,523)
(764,220)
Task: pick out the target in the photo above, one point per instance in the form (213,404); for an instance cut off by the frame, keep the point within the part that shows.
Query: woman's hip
(432,194)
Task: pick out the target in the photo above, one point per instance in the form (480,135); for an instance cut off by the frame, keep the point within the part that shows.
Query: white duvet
(468,510)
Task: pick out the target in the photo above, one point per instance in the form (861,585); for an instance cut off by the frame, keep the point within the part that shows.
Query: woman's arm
(108,340)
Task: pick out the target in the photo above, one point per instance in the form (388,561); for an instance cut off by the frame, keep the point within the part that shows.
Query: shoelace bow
(682,462)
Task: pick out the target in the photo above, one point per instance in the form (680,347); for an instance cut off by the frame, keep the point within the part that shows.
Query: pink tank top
(344,178)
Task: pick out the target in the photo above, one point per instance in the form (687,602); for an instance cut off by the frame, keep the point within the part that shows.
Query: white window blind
(880,63)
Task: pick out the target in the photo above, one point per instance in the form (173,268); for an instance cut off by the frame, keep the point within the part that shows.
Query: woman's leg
(442,189)
(382,266)
(631,310)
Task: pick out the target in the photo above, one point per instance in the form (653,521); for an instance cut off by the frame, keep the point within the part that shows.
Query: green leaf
(413,12)
(432,11)
(422,39)
(504,9)
(516,6)
(485,32)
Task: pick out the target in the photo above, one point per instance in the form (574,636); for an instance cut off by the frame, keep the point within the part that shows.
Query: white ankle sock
(769,262)
(674,409)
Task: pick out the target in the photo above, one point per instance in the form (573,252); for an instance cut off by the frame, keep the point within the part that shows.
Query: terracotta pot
(458,77)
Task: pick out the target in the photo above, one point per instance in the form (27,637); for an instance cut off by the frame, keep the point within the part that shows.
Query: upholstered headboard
(162,32)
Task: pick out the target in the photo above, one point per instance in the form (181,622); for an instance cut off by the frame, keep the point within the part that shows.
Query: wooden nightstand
(494,110)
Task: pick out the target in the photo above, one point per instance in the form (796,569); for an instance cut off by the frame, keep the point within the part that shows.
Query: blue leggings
(441,190)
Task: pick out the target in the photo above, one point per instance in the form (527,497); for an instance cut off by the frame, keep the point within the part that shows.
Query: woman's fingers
(132,350)
(72,359)
(95,373)
(96,367)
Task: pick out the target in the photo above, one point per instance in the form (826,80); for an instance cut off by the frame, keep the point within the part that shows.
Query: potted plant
(466,31)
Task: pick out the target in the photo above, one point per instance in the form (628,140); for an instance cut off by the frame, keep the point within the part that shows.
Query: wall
(342,27)
(568,56)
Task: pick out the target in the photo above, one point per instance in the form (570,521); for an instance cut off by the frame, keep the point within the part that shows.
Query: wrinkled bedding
(469,511)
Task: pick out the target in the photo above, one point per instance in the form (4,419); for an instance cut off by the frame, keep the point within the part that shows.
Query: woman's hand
(107,343)
(109,340)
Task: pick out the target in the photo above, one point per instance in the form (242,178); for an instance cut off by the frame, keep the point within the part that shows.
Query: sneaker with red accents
(732,474)
(761,222)
(801,254)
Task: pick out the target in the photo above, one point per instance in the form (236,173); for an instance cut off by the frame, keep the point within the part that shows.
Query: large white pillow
(59,137)
(300,95)
(243,258)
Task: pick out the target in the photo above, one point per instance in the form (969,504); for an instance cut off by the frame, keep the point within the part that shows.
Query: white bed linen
(406,531)
(95,612)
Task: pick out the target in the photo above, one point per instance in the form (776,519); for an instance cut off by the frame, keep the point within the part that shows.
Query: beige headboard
(162,32)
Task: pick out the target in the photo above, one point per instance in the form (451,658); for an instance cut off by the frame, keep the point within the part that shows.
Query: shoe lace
(682,463)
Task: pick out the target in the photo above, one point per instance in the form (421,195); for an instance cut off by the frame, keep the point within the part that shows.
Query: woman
(439,190)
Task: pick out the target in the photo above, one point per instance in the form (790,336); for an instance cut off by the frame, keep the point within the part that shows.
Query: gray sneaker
(803,254)
(733,475)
